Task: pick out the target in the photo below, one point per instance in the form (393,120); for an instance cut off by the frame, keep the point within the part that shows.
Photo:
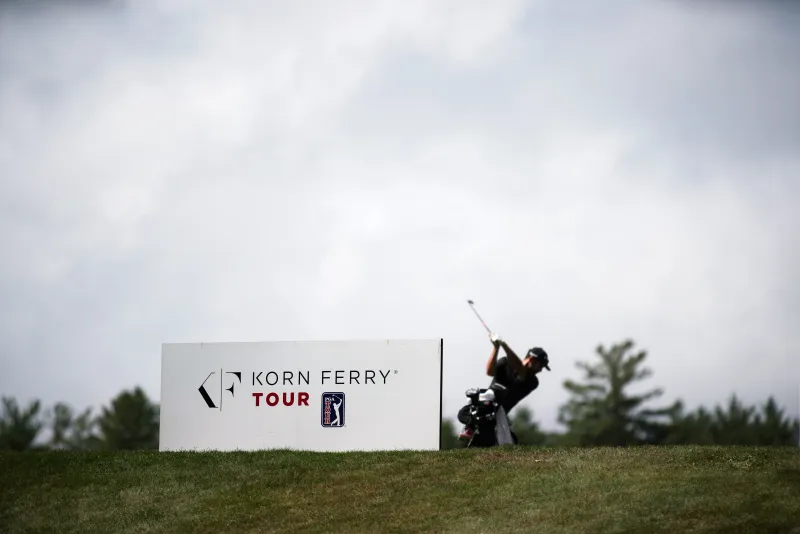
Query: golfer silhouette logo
(333,410)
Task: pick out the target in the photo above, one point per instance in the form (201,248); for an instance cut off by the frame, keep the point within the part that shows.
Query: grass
(658,489)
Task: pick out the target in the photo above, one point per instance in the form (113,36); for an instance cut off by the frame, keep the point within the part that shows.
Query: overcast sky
(254,171)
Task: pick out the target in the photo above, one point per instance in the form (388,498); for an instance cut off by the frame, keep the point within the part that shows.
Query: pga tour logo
(332,410)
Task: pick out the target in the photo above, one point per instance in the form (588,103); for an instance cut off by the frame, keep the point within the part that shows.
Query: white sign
(314,395)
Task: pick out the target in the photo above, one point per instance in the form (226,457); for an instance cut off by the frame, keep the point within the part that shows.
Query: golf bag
(487,417)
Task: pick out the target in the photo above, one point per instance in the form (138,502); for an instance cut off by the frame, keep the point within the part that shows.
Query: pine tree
(19,428)
(130,422)
(601,412)
(526,429)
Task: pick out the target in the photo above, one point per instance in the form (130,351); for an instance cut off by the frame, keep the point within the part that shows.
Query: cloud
(184,171)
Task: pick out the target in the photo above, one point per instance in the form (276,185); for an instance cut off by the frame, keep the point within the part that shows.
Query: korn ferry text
(337,377)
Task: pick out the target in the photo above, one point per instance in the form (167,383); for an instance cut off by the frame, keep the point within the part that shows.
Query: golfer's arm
(492,363)
(513,359)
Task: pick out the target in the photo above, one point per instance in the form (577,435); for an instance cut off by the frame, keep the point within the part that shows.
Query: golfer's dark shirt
(518,388)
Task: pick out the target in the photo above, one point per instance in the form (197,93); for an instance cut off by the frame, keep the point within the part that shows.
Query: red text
(273,399)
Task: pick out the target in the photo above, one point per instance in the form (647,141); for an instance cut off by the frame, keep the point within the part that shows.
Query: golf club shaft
(472,305)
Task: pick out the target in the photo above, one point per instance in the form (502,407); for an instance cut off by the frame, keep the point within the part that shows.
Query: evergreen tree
(773,427)
(735,425)
(72,432)
(130,422)
(526,429)
(19,428)
(600,410)
(692,428)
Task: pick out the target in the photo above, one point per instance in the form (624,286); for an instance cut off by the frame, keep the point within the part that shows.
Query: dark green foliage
(19,428)
(602,412)
(131,422)
(71,432)
(734,424)
(690,428)
(526,429)
(773,427)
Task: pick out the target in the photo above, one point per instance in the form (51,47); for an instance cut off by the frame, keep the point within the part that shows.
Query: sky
(254,171)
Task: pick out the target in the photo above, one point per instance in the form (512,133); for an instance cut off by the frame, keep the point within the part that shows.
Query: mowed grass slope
(658,489)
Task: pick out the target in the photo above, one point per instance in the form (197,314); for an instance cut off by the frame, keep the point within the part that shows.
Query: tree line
(600,410)
(129,421)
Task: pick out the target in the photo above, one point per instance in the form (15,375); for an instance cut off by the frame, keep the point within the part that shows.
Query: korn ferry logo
(333,409)
(207,397)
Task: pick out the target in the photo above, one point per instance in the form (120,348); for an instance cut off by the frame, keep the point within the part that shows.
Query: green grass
(668,489)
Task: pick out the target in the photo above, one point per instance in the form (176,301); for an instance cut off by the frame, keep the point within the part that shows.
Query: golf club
(472,305)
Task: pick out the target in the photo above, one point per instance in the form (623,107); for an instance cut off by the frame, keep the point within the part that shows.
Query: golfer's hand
(495,339)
